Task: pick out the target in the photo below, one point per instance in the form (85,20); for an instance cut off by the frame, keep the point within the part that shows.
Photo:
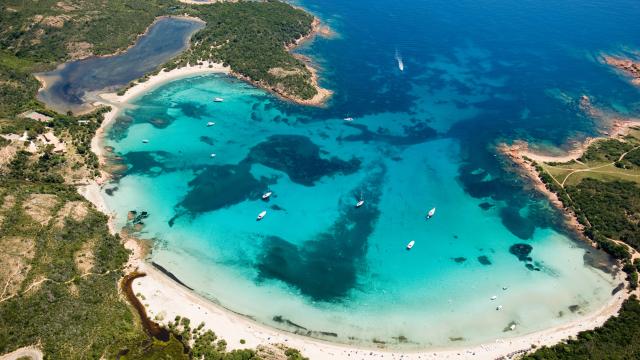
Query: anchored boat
(410,244)
(218,99)
(266,195)
(210,123)
(431,213)
(261,215)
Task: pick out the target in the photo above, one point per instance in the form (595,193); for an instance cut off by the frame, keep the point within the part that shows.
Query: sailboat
(360,202)
(261,215)
(348,118)
(218,99)
(210,123)
(431,213)
(399,60)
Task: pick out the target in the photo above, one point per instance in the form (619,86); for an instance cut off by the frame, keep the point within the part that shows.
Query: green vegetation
(249,36)
(611,208)
(614,340)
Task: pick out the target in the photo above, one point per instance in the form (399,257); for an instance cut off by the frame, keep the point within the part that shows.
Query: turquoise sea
(476,73)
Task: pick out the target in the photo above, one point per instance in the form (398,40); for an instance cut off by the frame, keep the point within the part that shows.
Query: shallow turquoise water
(423,137)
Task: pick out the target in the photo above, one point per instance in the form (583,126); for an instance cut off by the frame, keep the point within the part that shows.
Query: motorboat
(348,119)
(145,141)
(431,213)
(210,123)
(494,297)
(261,215)
(360,203)
(266,195)
(410,244)
(218,99)
(399,60)
(213,155)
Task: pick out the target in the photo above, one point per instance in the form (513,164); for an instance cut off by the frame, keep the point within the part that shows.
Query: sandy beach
(165,298)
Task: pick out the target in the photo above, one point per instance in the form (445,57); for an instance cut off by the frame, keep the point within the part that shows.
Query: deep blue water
(476,73)
(73,81)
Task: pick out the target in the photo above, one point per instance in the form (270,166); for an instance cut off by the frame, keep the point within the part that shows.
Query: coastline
(322,94)
(164,298)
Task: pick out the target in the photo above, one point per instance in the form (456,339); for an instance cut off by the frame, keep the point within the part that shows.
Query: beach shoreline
(164,298)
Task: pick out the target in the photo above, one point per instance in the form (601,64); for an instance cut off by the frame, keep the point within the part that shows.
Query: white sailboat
(266,195)
(348,119)
(261,215)
(218,99)
(399,60)
(210,123)
(431,213)
(360,202)
(410,244)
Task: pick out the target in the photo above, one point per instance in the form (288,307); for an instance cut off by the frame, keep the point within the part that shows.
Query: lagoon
(73,86)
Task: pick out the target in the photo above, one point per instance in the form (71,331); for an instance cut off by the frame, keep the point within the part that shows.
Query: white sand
(165,298)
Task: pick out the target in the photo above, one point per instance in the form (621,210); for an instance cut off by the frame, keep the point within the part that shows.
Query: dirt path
(596,168)
(35,284)
(30,352)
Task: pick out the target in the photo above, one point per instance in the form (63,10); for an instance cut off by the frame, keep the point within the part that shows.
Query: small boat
(213,155)
(504,288)
(210,123)
(399,60)
(494,297)
(261,215)
(348,119)
(218,99)
(145,141)
(512,327)
(266,195)
(361,201)
(431,213)
(410,244)
(499,307)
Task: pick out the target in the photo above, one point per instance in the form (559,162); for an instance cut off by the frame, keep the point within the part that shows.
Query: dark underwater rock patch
(516,224)
(220,186)
(414,134)
(299,158)
(484,260)
(146,162)
(160,123)
(459,259)
(193,109)
(485,205)
(521,251)
(207,140)
(325,267)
